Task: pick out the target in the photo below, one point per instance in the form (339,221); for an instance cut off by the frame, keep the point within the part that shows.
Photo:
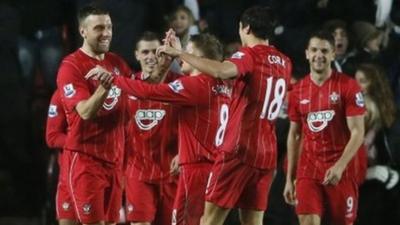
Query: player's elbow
(86,116)
(51,141)
(226,71)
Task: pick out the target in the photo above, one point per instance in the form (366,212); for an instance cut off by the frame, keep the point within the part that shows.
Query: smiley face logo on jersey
(317,121)
(148,118)
(112,98)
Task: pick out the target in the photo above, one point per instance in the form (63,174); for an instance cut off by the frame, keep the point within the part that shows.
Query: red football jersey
(56,126)
(321,111)
(260,90)
(152,133)
(102,137)
(203,111)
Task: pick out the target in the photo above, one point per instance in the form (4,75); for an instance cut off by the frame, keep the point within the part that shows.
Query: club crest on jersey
(360,99)
(237,55)
(334,98)
(148,118)
(317,121)
(176,86)
(86,208)
(52,111)
(66,206)
(130,208)
(112,98)
(69,90)
(116,71)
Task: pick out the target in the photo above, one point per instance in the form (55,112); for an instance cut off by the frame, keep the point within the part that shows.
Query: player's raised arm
(87,109)
(217,69)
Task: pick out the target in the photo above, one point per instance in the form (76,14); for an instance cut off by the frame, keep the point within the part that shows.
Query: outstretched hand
(172,45)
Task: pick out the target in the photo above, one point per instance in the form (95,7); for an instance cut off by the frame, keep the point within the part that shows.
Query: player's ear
(247,29)
(307,53)
(137,55)
(82,32)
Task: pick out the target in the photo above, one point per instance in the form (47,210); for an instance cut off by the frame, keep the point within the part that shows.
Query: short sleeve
(72,86)
(354,99)
(243,62)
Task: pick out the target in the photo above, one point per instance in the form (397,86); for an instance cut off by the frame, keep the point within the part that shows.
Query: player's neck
(195,73)
(253,41)
(88,51)
(320,78)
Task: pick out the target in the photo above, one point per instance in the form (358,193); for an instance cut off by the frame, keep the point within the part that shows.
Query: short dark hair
(88,10)
(261,20)
(209,45)
(147,36)
(323,35)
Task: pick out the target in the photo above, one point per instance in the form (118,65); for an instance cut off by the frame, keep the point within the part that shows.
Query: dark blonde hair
(209,45)
(380,93)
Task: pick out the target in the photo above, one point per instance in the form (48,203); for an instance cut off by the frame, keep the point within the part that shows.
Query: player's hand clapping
(172,45)
(99,73)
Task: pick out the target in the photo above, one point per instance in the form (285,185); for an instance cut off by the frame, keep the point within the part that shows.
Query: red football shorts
(64,206)
(149,202)
(233,184)
(339,203)
(95,187)
(189,200)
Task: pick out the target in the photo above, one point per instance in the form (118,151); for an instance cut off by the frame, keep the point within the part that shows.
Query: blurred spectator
(15,159)
(377,198)
(383,8)
(40,42)
(368,40)
(180,21)
(342,44)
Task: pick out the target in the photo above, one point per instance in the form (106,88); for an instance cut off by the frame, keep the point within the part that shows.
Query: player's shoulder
(344,79)
(302,82)
(73,58)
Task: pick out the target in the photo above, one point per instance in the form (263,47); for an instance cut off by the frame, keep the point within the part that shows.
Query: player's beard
(100,48)
(319,66)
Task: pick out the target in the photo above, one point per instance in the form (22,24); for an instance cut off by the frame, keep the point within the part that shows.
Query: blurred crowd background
(36,35)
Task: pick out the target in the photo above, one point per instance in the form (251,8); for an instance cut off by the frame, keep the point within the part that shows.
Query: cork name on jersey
(274,59)
(112,98)
(148,118)
(317,121)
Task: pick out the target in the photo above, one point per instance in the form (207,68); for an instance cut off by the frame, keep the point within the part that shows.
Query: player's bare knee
(140,223)
(309,220)
(249,217)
